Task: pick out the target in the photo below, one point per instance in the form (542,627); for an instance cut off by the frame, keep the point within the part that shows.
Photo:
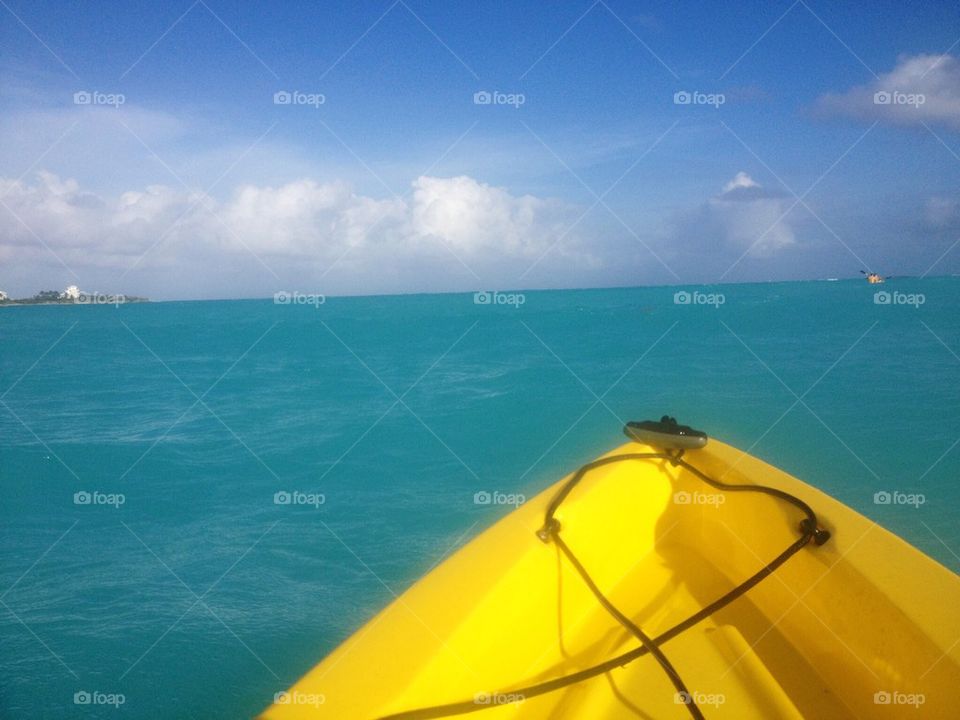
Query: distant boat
(873,278)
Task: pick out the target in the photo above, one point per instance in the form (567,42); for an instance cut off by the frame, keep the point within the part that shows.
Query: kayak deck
(820,637)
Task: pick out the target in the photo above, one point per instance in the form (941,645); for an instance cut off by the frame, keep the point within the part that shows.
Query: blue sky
(784,165)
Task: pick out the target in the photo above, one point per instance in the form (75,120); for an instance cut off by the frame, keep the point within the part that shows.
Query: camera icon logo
(681,498)
(882,498)
(281,298)
(881,698)
(82,697)
(882,97)
(282,97)
(482,97)
(881,297)
(282,498)
(682,297)
(482,498)
(482,298)
(682,98)
(82,498)
(82,98)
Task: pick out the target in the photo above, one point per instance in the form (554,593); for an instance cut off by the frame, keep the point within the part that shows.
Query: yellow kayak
(673,577)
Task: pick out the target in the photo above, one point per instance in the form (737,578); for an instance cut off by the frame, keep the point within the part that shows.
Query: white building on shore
(71,293)
(3,296)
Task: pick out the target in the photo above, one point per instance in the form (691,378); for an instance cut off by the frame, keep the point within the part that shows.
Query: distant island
(71,296)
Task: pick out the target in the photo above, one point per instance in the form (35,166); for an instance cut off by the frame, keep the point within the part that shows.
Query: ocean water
(199,595)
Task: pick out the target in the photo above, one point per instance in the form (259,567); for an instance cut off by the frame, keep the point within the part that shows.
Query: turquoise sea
(147,554)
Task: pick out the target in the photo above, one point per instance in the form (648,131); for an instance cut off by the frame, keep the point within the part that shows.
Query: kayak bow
(670,577)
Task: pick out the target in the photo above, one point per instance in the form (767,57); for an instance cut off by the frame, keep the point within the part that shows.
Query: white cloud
(743,220)
(305,219)
(919,89)
(749,218)
(474,217)
(298,230)
(740,180)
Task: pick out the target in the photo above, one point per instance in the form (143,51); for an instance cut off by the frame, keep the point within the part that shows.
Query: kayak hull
(863,626)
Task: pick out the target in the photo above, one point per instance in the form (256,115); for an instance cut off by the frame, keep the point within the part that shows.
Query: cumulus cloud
(750,217)
(744,217)
(919,89)
(474,217)
(302,225)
